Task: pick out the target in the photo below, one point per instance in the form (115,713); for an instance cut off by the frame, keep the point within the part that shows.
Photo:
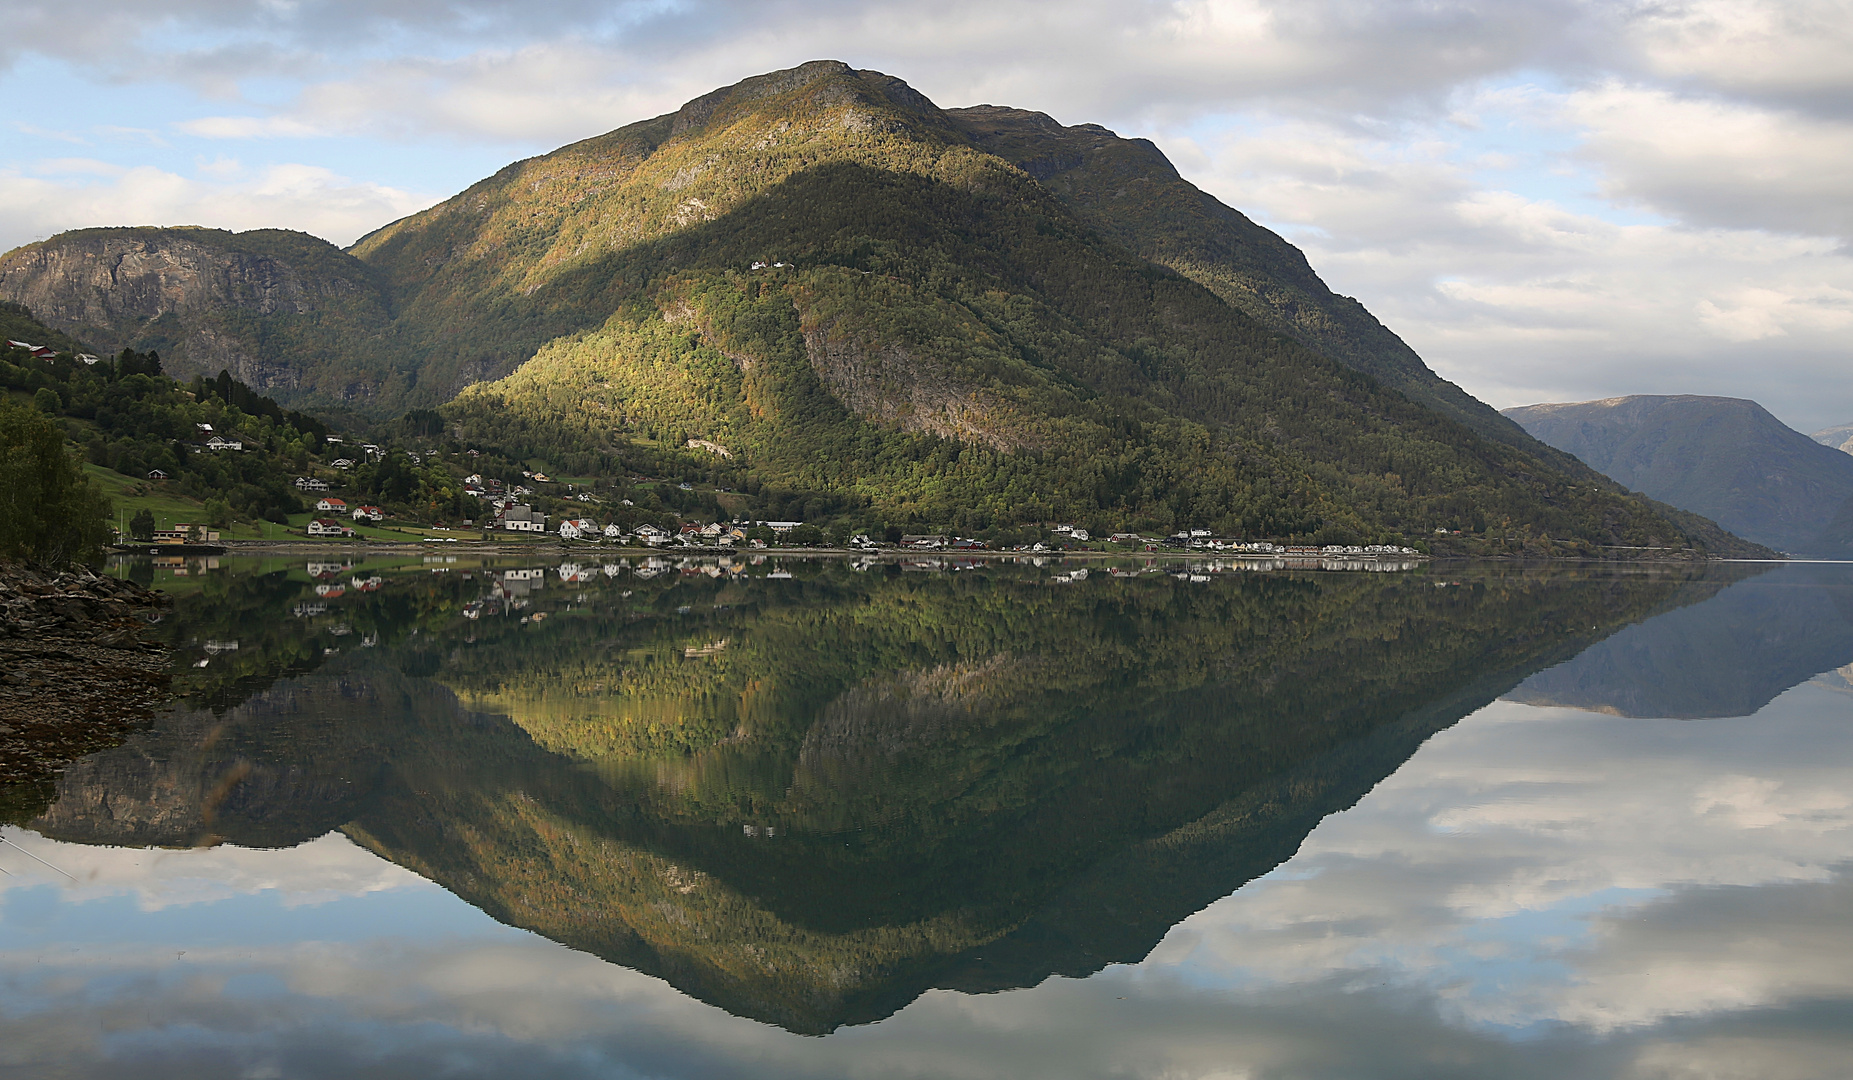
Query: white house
(332,505)
(369,513)
(522,518)
(614,531)
(578,529)
(343,463)
(310,483)
(216,444)
(325,527)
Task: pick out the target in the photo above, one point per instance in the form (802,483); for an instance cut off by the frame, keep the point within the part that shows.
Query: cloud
(1708,162)
(1792,52)
(80,194)
(1550,296)
(248,127)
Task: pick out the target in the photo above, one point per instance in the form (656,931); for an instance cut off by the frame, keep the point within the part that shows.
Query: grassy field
(169,507)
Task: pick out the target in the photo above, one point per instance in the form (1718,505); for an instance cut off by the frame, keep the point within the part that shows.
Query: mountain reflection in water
(1728,657)
(808,799)
(1230,804)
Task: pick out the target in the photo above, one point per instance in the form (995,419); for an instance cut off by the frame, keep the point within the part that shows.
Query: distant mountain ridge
(1840,437)
(1725,458)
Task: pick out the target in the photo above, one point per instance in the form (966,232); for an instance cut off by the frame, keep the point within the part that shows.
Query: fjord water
(807,819)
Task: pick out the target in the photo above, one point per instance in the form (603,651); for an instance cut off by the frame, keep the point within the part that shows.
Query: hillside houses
(331,505)
(39,352)
(328,527)
(369,513)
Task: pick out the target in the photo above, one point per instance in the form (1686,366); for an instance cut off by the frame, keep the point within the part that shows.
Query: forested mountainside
(285,312)
(829,285)
(1725,458)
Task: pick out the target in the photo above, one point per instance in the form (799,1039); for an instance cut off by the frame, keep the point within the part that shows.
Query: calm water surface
(819,819)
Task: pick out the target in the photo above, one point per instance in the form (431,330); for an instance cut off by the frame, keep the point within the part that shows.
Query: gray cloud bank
(1666,212)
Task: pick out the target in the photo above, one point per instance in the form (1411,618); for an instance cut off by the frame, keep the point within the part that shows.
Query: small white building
(331,505)
(369,513)
(325,527)
(521,517)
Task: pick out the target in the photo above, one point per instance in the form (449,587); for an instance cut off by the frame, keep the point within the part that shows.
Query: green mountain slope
(1725,458)
(286,313)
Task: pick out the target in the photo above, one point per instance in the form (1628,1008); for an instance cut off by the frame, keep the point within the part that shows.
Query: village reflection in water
(816,794)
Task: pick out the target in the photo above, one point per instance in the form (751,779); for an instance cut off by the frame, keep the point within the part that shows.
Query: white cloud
(306,197)
(1710,162)
(249,127)
(1792,50)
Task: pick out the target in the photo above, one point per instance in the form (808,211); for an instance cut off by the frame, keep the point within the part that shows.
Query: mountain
(1725,458)
(819,285)
(1840,438)
(286,313)
(931,333)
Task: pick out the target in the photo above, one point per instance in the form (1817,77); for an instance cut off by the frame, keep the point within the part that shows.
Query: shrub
(50,512)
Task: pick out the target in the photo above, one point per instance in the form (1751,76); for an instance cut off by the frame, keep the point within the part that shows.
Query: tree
(50,512)
(46,401)
(141,526)
(218,513)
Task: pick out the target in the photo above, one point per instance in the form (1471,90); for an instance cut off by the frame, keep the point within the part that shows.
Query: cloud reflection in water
(1538,892)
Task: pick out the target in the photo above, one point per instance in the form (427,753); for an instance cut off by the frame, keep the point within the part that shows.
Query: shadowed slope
(1725,458)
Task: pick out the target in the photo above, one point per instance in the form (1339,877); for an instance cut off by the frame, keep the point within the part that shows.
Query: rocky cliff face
(284,312)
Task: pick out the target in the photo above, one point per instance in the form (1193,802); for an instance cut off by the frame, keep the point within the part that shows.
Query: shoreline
(552,547)
(75,674)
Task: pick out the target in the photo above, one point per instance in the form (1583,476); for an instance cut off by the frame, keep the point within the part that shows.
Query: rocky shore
(75,673)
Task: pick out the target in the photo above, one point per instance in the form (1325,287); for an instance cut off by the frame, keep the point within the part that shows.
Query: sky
(1551,200)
